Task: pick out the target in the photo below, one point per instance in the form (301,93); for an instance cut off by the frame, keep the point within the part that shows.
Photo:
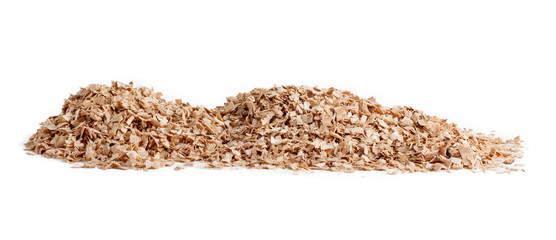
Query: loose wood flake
(293,127)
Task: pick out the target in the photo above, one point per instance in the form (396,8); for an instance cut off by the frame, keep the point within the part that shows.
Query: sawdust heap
(329,129)
(290,127)
(120,126)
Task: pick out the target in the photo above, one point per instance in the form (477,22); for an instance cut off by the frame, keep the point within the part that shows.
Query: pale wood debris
(120,126)
(294,127)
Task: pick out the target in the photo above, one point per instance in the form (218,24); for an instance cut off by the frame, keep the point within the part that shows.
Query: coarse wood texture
(293,127)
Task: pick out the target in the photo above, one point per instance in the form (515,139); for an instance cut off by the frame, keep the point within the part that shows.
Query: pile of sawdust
(290,127)
(120,126)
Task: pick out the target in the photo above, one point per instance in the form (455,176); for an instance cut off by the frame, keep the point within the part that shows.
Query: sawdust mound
(120,126)
(293,127)
(328,129)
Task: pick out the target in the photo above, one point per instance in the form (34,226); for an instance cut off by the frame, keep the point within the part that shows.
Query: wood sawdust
(120,126)
(293,127)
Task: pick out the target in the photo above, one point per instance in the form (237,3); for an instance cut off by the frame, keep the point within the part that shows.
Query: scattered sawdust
(299,128)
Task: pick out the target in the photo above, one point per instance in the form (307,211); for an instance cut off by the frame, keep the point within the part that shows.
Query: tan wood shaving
(293,127)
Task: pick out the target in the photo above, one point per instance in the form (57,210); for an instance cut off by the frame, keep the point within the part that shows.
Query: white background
(486,65)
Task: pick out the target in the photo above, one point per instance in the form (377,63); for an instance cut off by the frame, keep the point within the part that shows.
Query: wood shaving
(292,127)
